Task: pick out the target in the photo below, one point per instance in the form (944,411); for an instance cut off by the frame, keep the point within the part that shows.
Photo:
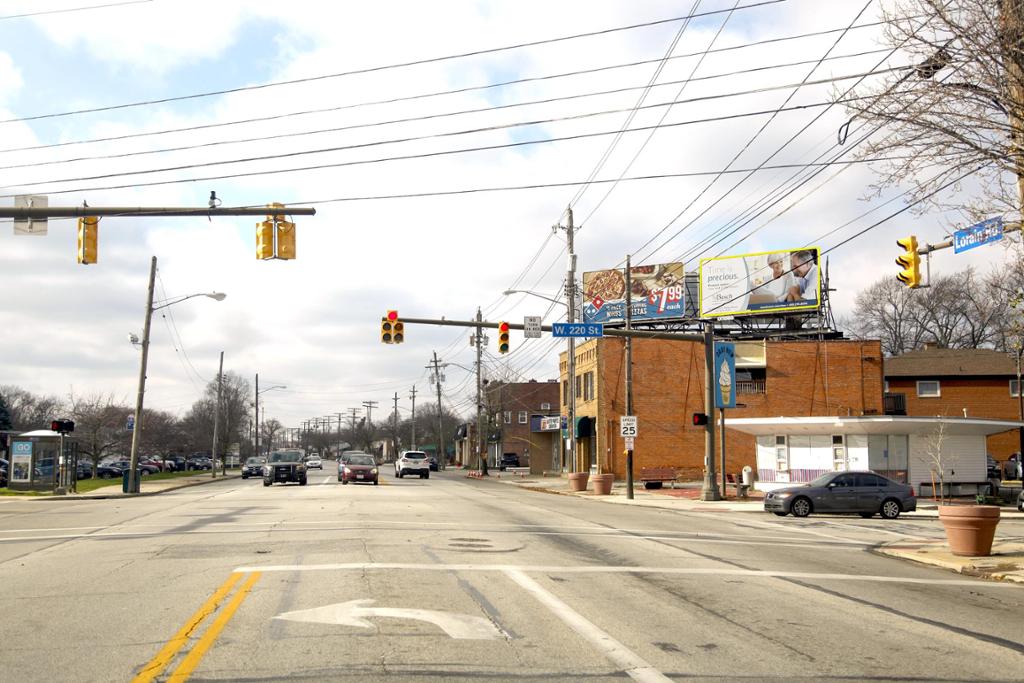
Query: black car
(863,493)
(4,465)
(253,467)
(284,466)
(508,460)
(144,469)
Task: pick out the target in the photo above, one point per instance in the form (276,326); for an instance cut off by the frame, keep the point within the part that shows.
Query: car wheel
(266,483)
(302,482)
(890,508)
(244,475)
(426,475)
(343,480)
(801,507)
(376,483)
(781,514)
(866,515)
(105,475)
(401,474)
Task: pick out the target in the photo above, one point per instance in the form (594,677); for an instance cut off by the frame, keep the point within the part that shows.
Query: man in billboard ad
(657,292)
(766,282)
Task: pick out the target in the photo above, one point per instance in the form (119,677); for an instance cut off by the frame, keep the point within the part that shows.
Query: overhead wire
(74,9)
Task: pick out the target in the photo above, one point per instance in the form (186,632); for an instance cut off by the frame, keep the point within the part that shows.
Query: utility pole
(339,433)
(369,405)
(481,437)
(570,297)
(441,457)
(629,375)
(709,489)
(133,475)
(394,429)
(256,424)
(412,439)
(352,412)
(216,420)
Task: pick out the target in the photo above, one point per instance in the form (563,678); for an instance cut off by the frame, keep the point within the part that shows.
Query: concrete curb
(961,565)
(144,494)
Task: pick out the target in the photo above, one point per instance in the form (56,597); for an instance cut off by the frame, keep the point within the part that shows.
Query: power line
(74,9)
(385,67)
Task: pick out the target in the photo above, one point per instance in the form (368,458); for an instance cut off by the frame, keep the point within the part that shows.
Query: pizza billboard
(658,292)
(765,282)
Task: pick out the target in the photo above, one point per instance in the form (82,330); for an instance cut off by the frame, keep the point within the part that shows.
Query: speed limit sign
(627,425)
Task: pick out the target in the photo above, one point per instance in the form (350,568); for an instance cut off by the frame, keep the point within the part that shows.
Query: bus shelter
(43,460)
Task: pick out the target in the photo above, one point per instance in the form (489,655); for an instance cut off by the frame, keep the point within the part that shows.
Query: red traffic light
(62,426)
(503,327)
(700,419)
(392,316)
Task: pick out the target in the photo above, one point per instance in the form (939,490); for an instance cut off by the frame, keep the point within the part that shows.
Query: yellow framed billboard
(755,284)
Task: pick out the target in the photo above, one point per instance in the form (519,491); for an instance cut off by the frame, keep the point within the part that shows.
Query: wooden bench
(654,477)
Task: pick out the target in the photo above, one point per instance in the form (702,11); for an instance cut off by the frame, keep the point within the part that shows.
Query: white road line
(632,663)
(602,569)
(326,481)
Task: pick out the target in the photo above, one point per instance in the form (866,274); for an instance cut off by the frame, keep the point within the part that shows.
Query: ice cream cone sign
(725,370)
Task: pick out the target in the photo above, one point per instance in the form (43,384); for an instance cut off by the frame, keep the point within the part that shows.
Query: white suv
(413,462)
(314,461)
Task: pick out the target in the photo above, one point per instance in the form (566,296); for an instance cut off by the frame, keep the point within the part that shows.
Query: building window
(751,381)
(1014,388)
(885,386)
(588,386)
(781,454)
(523,417)
(545,406)
(565,392)
(929,389)
(508,417)
(579,387)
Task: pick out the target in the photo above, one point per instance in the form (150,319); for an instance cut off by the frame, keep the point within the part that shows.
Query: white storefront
(799,449)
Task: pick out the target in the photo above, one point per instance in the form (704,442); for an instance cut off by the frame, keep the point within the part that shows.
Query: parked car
(993,468)
(508,460)
(105,471)
(863,493)
(198,463)
(412,462)
(433,464)
(314,463)
(84,470)
(4,466)
(144,469)
(284,466)
(174,463)
(359,467)
(1020,500)
(253,467)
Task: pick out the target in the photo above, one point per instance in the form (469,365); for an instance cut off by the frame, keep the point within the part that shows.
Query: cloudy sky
(162,139)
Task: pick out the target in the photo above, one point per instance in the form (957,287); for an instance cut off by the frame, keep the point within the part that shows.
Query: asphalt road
(457,579)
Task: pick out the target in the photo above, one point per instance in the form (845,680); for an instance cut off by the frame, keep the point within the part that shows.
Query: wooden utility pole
(441,456)
(394,428)
(481,436)
(412,420)
(133,474)
(216,420)
(629,374)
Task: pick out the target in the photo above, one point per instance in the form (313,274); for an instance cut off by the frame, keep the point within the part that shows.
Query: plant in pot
(603,481)
(970,529)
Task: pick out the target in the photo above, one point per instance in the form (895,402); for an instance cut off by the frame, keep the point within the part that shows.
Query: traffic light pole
(709,489)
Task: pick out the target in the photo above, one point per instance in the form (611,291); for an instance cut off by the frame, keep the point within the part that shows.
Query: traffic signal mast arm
(25,212)
(929,248)
(635,334)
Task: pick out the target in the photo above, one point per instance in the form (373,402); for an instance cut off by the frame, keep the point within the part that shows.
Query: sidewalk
(1006,562)
(685,497)
(146,488)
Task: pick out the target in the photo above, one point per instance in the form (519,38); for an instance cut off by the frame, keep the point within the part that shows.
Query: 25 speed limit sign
(627,425)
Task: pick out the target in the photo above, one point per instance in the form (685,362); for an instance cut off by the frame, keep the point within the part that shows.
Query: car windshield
(361,460)
(823,479)
(284,457)
(415,456)
(254,461)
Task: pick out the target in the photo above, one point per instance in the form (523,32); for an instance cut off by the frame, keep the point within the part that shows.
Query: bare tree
(99,425)
(268,430)
(939,460)
(29,411)
(958,108)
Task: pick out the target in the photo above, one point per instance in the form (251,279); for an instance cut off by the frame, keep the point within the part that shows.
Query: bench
(654,477)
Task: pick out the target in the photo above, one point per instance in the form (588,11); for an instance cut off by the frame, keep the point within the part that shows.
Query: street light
(133,474)
(509,292)
(256,443)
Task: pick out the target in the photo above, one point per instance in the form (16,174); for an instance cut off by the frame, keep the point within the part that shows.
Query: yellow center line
(168,652)
(195,655)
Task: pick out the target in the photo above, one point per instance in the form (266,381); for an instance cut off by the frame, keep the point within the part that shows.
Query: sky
(367,120)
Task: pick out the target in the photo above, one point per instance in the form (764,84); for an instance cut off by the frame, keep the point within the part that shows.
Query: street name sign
(531,327)
(577,329)
(978,234)
(627,425)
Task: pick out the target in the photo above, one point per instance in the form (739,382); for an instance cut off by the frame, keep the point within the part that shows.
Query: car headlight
(785,494)
(348,471)
(373,471)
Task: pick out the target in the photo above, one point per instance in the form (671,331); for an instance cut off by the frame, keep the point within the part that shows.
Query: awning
(870,424)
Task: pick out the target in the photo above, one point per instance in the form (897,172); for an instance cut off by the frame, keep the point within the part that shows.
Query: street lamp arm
(216,296)
(508,292)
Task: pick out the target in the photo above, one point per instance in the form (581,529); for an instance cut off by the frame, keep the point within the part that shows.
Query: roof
(933,362)
(40,432)
(870,424)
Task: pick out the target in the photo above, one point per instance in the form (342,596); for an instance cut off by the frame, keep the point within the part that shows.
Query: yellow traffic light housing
(265,240)
(88,239)
(503,337)
(909,261)
(285,240)
(275,237)
(392,331)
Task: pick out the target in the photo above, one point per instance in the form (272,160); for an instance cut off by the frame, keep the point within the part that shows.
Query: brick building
(515,413)
(774,378)
(957,383)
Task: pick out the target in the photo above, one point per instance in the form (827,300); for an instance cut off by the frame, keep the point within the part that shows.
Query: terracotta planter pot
(970,528)
(578,481)
(603,483)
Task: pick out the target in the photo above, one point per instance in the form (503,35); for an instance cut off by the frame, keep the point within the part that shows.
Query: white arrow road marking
(353,613)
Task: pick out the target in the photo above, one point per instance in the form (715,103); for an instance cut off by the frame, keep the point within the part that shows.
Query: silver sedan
(863,493)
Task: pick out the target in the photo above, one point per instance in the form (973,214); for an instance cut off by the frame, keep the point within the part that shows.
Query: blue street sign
(979,234)
(130,425)
(577,329)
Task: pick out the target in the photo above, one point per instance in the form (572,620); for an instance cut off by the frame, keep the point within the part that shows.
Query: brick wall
(802,378)
(515,398)
(984,397)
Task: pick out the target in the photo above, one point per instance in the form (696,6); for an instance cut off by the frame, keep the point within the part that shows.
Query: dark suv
(509,460)
(284,466)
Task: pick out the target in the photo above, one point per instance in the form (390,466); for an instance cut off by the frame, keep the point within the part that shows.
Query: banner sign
(550,424)
(756,284)
(725,375)
(21,460)
(984,232)
(657,293)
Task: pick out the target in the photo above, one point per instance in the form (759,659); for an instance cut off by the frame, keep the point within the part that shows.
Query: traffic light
(62,426)
(265,240)
(909,261)
(502,337)
(392,331)
(285,240)
(88,239)
(700,419)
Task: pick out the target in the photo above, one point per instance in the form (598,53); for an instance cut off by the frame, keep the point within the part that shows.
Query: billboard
(658,292)
(766,282)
